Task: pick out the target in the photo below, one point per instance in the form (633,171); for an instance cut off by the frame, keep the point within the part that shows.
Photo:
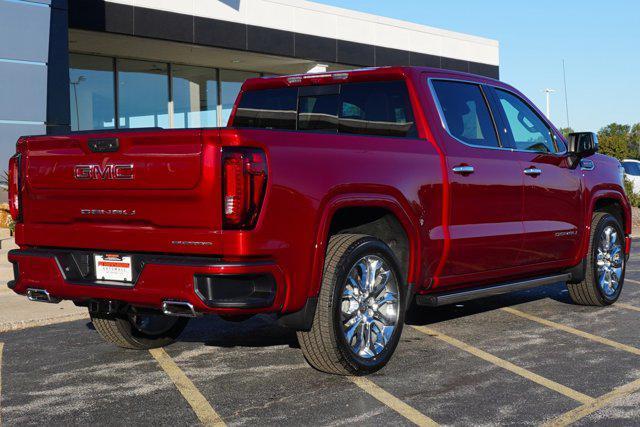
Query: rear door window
(465,113)
(268,109)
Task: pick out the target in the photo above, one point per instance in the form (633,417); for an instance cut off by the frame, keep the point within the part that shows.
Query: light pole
(548,92)
(75,96)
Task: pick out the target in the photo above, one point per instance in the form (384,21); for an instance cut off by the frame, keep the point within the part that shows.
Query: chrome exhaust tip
(178,308)
(41,295)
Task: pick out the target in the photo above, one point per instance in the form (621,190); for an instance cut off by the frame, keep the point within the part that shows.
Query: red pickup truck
(335,201)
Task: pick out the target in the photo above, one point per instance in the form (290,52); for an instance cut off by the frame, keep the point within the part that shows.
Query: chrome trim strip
(480,84)
(436,300)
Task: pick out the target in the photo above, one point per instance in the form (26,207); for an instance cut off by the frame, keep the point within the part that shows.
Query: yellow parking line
(204,411)
(409,412)
(627,306)
(573,331)
(552,385)
(1,348)
(580,412)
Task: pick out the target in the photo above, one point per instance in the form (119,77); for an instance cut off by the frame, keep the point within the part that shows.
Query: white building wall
(326,21)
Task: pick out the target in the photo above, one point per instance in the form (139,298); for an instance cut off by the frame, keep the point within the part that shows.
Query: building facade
(106,64)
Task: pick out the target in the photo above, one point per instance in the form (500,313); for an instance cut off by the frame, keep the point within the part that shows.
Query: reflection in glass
(91,92)
(195,96)
(143,96)
(231,82)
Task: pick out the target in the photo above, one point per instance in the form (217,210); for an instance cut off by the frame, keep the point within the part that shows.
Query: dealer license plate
(113,267)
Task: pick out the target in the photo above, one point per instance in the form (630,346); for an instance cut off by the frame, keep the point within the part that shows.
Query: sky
(599,41)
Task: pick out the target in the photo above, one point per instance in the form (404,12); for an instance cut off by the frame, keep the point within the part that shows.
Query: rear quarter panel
(312,175)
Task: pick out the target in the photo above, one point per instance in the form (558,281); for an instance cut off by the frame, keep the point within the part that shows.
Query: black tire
(588,292)
(325,346)
(121,331)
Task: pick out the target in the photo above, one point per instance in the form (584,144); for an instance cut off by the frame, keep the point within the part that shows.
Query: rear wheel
(138,331)
(605,268)
(360,311)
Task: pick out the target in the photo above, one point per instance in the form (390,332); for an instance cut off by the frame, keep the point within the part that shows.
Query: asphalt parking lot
(526,358)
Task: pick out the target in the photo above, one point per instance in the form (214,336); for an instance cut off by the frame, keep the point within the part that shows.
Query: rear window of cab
(370,108)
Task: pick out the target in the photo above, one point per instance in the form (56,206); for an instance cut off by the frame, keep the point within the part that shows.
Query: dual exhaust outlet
(169,308)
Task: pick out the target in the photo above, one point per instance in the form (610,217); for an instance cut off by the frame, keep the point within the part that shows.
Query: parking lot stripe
(552,385)
(582,411)
(407,411)
(1,348)
(627,306)
(573,331)
(203,409)
(635,282)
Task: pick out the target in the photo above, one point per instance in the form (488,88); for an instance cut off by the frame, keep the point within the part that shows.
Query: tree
(634,141)
(614,140)
(566,131)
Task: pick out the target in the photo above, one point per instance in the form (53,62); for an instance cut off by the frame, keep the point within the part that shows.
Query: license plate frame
(113,268)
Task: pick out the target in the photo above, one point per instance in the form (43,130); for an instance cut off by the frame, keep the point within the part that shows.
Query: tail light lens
(14,187)
(244,182)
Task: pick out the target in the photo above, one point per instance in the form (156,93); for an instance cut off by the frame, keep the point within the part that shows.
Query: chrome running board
(453,297)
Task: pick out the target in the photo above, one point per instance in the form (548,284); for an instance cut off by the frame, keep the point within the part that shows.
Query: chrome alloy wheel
(609,261)
(370,306)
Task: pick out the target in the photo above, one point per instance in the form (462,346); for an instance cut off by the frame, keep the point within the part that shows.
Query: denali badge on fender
(103,172)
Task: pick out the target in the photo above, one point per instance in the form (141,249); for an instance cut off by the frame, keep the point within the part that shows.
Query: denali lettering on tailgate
(121,212)
(103,172)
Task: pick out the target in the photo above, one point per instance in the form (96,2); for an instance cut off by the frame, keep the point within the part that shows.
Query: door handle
(532,171)
(463,169)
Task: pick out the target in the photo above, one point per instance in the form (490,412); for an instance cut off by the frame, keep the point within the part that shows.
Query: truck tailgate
(153,185)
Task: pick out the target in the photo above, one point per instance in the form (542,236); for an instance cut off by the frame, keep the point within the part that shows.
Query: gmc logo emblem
(103,172)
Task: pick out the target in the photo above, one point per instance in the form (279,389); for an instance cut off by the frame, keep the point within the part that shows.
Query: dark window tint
(465,112)
(267,109)
(529,131)
(380,108)
(631,168)
(318,113)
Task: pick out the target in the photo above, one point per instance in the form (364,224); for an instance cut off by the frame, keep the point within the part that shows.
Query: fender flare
(604,193)
(347,200)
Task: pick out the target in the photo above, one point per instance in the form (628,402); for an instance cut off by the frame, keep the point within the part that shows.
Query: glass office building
(118,64)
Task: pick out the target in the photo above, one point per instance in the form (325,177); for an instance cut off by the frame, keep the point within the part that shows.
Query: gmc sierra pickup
(333,200)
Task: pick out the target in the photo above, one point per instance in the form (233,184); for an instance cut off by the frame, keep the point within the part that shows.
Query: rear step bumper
(453,297)
(178,285)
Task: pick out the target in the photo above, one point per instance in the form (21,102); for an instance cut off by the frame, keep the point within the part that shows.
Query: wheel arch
(367,213)
(606,200)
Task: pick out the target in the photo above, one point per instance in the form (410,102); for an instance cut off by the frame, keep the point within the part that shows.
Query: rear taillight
(14,187)
(244,182)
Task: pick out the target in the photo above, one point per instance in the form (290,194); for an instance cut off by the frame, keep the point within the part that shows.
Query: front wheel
(360,311)
(605,268)
(138,331)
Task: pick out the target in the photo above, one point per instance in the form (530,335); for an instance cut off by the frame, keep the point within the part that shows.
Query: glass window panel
(466,113)
(318,113)
(231,82)
(195,96)
(379,108)
(529,131)
(143,94)
(268,109)
(91,90)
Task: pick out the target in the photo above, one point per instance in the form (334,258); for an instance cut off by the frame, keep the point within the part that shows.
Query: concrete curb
(26,324)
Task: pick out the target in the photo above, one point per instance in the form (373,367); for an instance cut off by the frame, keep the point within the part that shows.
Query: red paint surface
(493,225)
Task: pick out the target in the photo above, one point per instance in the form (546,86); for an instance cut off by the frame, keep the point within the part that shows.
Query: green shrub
(634,198)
